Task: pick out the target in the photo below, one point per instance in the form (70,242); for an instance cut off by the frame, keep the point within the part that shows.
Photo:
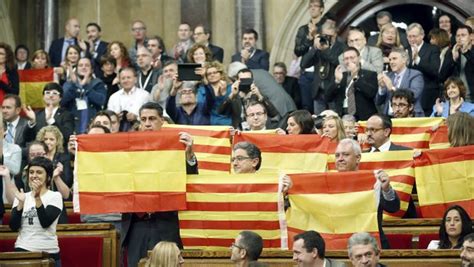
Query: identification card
(81,104)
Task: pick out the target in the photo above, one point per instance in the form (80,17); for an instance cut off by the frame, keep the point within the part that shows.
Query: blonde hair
(164,254)
(57,133)
(460,129)
(341,133)
(386,28)
(219,67)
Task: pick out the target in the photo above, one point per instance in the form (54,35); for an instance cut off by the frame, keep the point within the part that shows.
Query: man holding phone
(249,55)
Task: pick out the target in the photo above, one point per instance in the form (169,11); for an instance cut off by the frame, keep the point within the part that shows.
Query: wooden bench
(397,258)
(80,240)
(33,259)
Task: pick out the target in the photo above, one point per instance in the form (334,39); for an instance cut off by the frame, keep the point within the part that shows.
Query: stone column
(249,14)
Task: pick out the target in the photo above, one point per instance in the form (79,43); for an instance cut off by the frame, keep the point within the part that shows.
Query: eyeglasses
(186,92)
(138,29)
(258,114)
(373,130)
(235,245)
(51,93)
(239,158)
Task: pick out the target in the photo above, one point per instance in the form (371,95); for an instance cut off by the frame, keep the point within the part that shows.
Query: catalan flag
(32,82)
(439,137)
(289,153)
(220,206)
(334,204)
(130,172)
(398,165)
(410,132)
(211,146)
(445,177)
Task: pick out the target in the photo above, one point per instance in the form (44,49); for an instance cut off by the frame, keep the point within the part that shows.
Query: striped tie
(9,137)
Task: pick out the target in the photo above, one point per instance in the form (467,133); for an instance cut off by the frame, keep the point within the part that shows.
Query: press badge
(81,104)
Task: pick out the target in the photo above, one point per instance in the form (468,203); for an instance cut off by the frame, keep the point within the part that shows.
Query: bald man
(57,50)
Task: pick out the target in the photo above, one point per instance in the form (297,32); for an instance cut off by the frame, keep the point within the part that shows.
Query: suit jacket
(168,223)
(24,133)
(454,68)
(217,52)
(326,59)
(101,51)
(365,89)
(388,206)
(63,119)
(411,80)
(371,58)
(428,66)
(292,87)
(259,60)
(56,49)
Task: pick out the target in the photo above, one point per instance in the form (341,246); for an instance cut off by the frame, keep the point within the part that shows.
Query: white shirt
(32,236)
(131,101)
(383,148)
(14,124)
(51,120)
(434,244)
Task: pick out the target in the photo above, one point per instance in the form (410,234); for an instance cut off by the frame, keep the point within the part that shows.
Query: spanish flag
(411,132)
(220,206)
(32,82)
(334,204)
(445,177)
(211,146)
(398,165)
(130,172)
(289,153)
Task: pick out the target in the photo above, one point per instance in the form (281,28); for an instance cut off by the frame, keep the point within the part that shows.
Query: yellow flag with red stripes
(211,145)
(220,206)
(411,132)
(130,172)
(32,82)
(334,204)
(289,153)
(445,177)
(439,137)
(398,165)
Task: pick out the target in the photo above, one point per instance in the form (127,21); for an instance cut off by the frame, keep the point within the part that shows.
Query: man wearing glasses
(189,112)
(140,39)
(403,103)
(379,129)
(202,35)
(247,248)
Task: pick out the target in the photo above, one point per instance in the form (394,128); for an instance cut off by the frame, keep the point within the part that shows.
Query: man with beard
(467,251)
(249,55)
(161,90)
(403,103)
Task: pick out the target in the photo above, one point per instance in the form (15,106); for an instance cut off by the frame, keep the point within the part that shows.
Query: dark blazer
(411,80)
(13,86)
(328,59)
(395,147)
(101,51)
(56,49)
(259,60)
(24,133)
(292,87)
(455,66)
(388,206)
(428,66)
(217,52)
(168,223)
(63,119)
(365,89)
(27,66)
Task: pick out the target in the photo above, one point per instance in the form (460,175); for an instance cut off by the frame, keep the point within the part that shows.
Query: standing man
(290,84)
(179,50)
(249,55)
(202,35)
(147,75)
(309,251)
(141,232)
(157,49)
(140,39)
(97,47)
(424,57)
(57,50)
(371,57)
(18,130)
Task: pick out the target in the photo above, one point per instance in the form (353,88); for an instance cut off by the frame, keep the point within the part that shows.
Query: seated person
(165,254)
(455,225)
(299,122)
(246,249)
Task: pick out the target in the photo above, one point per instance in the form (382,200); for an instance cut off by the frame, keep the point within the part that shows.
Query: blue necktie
(9,137)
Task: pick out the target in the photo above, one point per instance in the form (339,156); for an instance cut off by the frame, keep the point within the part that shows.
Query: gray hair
(382,14)
(252,150)
(349,118)
(416,25)
(355,145)
(362,238)
(403,53)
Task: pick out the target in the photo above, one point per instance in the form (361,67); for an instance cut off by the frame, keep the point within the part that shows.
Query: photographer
(249,55)
(243,92)
(323,56)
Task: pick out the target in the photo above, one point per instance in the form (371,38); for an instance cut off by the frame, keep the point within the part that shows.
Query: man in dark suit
(425,58)
(323,56)
(399,77)
(97,47)
(348,155)
(18,130)
(309,249)
(249,55)
(156,45)
(202,35)
(353,90)
(290,84)
(141,232)
(57,50)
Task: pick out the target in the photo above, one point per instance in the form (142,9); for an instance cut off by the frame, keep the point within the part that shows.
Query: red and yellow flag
(211,146)
(398,165)
(289,153)
(334,204)
(445,177)
(439,137)
(130,172)
(410,132)
(32,83)
(220,206)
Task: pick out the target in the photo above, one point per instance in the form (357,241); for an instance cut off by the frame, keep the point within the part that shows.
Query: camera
(325,40)
(245,84)
(318,121)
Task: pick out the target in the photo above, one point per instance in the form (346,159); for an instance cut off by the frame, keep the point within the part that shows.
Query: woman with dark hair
(455,225)
(455,93)
(299,122)
(440,38)
(35,214)
(9,81)
(69,65)
(200,54)
(445,23)
(118,51)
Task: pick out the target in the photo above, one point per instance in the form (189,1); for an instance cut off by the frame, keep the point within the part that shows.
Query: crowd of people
(102,87)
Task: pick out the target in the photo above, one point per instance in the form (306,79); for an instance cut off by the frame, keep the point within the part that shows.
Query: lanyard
(147,80)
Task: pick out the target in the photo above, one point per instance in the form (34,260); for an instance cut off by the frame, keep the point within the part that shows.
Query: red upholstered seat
(7,245)
(6,218)
(425,240)
(400,241)
(74,218)
(81,251)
